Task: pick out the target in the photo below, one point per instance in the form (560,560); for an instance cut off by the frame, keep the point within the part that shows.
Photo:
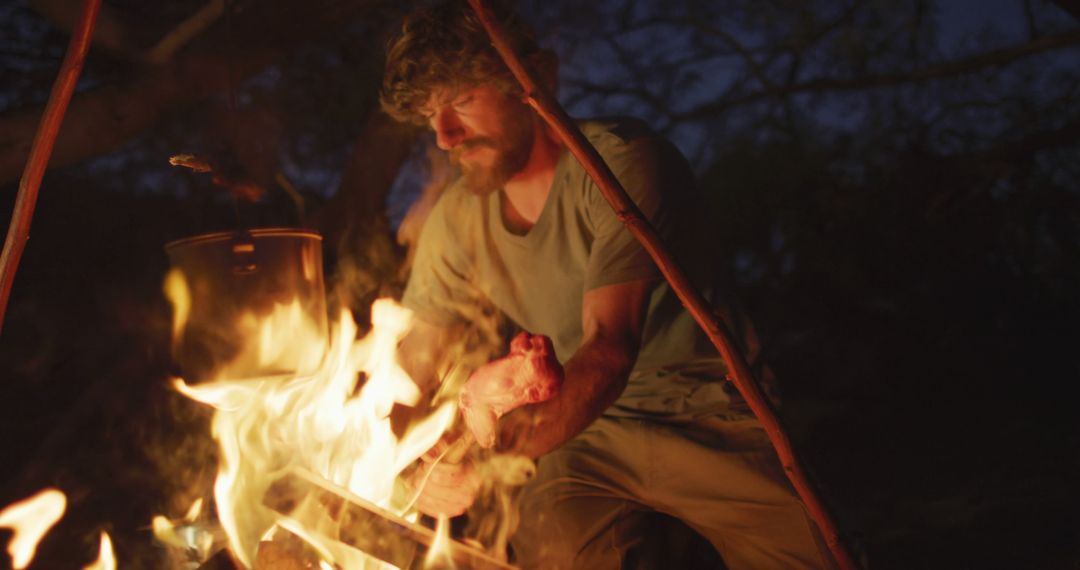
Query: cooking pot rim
(255,233)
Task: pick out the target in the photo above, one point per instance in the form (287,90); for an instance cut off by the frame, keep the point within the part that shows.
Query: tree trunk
(354,221)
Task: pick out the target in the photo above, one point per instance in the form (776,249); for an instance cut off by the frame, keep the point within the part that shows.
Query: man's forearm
(595,377)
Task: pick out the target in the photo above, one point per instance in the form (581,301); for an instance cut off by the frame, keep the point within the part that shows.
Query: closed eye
(463,102)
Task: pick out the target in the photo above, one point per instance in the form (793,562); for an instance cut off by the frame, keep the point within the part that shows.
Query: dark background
(894,188)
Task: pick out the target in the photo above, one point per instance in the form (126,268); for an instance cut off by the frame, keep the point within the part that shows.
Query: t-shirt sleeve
(647,168)
(439,284)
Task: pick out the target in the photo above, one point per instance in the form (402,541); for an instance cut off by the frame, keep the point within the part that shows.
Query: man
(644,421)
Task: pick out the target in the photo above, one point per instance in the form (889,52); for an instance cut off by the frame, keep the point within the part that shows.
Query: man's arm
(612,320)
(420,353)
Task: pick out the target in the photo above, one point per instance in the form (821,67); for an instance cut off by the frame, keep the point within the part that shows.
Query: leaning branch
(628,213)
(179,36)
(23,212)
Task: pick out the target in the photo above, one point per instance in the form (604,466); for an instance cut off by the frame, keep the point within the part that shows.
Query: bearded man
(644,421)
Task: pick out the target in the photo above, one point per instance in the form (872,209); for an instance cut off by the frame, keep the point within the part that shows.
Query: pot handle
(243,253)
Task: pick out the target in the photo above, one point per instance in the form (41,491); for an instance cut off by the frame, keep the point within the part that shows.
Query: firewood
(285,552)
(359,528)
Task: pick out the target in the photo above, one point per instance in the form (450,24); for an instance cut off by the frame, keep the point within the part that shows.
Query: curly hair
(445,45)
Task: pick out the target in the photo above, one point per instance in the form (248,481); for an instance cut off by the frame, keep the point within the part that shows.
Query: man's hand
(445,488)
(529,374)
(448,484)
(612,319)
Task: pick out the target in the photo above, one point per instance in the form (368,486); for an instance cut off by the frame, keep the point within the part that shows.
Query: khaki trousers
(587,506)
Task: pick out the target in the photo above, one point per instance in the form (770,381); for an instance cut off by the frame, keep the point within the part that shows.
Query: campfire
(327,425)
(308,452)
(310,467)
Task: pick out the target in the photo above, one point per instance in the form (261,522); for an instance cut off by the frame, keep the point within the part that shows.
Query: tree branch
(110,33)
(995,58)
(374,161)
(22,214)
(183,33)
(1072,7)
(102,119)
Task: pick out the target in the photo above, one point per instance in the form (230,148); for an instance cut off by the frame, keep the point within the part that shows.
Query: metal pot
(240,283)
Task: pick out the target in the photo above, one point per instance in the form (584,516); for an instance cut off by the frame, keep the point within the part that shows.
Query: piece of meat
(530,373)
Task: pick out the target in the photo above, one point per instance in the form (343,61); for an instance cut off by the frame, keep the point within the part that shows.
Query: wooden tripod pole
(23,212)
(550,110)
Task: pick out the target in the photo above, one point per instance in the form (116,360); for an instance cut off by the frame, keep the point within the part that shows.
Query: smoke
(440,175)
(503,475)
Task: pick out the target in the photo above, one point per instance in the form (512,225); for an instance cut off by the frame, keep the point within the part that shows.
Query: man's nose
(448,129)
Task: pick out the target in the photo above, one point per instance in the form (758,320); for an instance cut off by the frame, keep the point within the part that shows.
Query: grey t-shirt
(467,256)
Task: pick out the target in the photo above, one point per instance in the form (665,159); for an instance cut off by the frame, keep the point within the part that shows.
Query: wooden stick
(309,505)
(628,213)
(23,212)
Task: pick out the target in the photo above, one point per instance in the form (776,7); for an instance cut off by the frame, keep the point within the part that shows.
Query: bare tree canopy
(105,116)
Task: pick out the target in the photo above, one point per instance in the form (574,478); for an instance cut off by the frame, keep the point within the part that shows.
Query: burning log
(348,528)
(222,560)
(285,552)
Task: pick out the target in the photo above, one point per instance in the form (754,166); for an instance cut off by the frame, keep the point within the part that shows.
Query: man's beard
(512,151)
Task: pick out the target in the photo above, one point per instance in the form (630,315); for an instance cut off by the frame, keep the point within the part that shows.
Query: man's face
(488,134)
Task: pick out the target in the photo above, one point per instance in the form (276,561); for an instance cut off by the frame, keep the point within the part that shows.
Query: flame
(184,533)
(194,510)
(439,555)
(177,290)
(327,422)
(268,341)
(164,529)
(30,519)
(106,560)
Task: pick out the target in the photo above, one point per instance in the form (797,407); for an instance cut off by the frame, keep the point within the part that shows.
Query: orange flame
(182,534)
(30,519)
(439,555)
(106,559)
(176,288)
(327,422)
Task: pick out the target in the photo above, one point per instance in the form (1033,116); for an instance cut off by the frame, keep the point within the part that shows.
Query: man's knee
(579,532)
